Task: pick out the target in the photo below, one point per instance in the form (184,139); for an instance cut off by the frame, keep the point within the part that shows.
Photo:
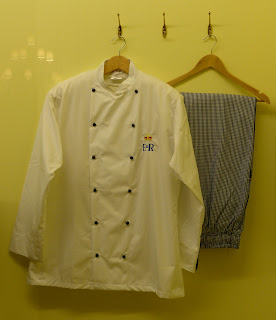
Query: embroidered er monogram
(148,146)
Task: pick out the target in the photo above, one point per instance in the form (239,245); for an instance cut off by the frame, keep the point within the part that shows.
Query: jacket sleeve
(191,206)
(46,158)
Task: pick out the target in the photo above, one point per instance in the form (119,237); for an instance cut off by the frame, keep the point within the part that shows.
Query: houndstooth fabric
(222,129)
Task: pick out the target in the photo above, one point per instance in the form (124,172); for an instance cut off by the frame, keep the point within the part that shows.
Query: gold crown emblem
(148,137)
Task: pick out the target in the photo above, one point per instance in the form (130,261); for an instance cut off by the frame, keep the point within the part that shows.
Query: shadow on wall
(216,267)
(231,265)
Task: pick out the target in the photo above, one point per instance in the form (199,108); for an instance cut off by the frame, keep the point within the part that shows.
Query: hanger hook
(164,29)
(209,36)
(120,27)
(120,37)
(209,25)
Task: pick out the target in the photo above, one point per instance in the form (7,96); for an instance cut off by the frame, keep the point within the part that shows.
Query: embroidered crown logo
(148,146)
(148,137)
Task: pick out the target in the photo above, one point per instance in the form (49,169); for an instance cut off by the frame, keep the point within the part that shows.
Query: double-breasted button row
(94,157)
(94,90)
(95,190)
(97,255)
(94,124)
(96,222)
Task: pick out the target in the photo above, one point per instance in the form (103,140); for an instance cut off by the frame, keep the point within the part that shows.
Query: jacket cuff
(190,261)
(21,244)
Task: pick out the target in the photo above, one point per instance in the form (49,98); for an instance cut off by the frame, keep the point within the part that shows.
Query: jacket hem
(177,293)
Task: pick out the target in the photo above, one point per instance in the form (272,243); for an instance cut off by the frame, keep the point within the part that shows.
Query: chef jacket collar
(124,85)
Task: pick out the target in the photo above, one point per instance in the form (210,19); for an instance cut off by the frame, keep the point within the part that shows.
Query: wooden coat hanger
(117,62)
(213,61)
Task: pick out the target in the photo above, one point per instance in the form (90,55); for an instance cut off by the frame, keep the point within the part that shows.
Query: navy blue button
(97,255)
(96,222)
(129,191)
(93,89)
(131,157)
(93,157)
(123,256)
(94,124)
(133,125)
(136,91)
(127,223)
(95,190)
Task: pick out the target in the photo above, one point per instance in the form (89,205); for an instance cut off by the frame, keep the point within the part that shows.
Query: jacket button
(94,124)
(95,190)
(96,222)
(131,157)
(136,91)
(93,89)
(129,190)
(127,223)
(133,125)
(93,157)
(97,255)
(123,256)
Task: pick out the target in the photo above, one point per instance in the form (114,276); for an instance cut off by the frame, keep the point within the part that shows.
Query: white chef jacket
(111,198)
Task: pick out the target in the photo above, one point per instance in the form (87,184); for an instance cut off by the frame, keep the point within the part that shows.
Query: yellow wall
(230,284)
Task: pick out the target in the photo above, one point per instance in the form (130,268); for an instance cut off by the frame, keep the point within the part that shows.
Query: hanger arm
(116,62)
(212,61)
